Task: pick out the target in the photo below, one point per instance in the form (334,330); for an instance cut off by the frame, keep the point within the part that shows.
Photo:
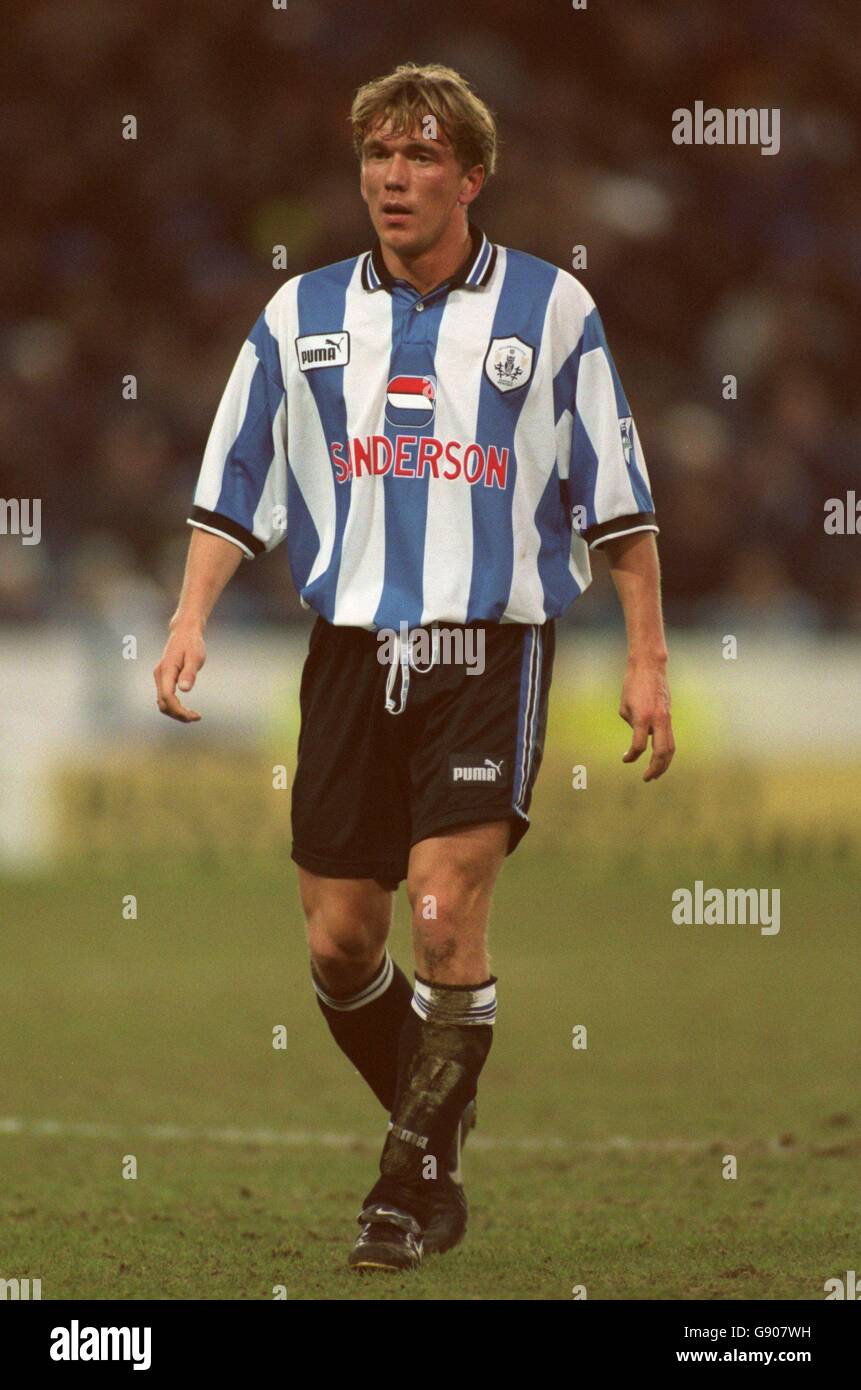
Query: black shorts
(466,747)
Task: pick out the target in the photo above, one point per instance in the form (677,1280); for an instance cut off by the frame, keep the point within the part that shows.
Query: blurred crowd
(152,258)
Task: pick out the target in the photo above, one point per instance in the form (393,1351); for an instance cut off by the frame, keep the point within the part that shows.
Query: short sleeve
(608,484)
(241,491)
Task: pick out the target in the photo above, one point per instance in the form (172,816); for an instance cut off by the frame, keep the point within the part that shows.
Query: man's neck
(431,268)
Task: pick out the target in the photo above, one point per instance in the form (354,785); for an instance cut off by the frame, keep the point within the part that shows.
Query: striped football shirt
(441,457)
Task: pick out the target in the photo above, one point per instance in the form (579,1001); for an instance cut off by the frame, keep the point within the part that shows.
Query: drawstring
(403,657)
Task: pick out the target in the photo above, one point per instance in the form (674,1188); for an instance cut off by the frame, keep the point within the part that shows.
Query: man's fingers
(658,766)
(187,677)
(663,745)
(638,742)
(166,697)
(170,705)
(663,748)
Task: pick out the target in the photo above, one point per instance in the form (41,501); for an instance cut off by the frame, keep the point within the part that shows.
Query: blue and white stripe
(371,991)
(376,550)
(527,717)
(454,1003)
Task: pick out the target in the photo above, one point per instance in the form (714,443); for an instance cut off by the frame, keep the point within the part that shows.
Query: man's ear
(362,183)
(471,185)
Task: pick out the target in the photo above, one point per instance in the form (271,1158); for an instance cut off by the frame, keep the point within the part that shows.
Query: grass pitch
(598,1167)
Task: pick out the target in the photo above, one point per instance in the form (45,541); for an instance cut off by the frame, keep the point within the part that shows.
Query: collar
(474,274)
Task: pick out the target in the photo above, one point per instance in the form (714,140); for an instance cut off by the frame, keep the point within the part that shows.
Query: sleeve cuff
(620,526)
(220,525)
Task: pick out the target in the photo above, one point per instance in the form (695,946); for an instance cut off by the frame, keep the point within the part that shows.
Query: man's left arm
(645,702)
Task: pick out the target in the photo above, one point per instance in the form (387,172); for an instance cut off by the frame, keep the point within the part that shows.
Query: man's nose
(397,172)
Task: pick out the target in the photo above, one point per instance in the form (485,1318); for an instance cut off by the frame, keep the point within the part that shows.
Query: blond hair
(406,96)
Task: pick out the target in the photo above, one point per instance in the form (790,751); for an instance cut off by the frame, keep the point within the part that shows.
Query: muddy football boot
(390,1239)
(445,1225)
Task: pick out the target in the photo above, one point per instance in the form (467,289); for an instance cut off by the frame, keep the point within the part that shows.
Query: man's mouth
(395,210)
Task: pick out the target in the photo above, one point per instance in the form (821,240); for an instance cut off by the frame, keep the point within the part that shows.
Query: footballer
(438,430)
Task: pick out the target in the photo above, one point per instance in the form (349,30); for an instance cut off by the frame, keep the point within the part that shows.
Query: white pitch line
(306,1138)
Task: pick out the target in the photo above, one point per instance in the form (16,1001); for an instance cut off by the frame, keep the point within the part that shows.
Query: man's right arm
(212,561)
(240,502)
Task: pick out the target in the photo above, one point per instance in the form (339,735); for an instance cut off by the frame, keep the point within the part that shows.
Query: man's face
(413,185)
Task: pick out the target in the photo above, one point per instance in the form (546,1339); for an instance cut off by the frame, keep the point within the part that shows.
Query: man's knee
(450,909)
(450,884)
(347,923)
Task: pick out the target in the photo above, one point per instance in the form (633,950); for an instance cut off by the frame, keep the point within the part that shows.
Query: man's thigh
(466,858)
(350,796)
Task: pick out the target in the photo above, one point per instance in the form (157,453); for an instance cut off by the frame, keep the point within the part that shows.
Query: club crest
(508,363)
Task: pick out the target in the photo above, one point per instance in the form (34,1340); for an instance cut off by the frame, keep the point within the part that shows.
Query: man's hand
(211,562)
(181,660)
(645,705)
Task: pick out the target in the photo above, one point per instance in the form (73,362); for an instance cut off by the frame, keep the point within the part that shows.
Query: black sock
(367,1026)
(444,1044)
